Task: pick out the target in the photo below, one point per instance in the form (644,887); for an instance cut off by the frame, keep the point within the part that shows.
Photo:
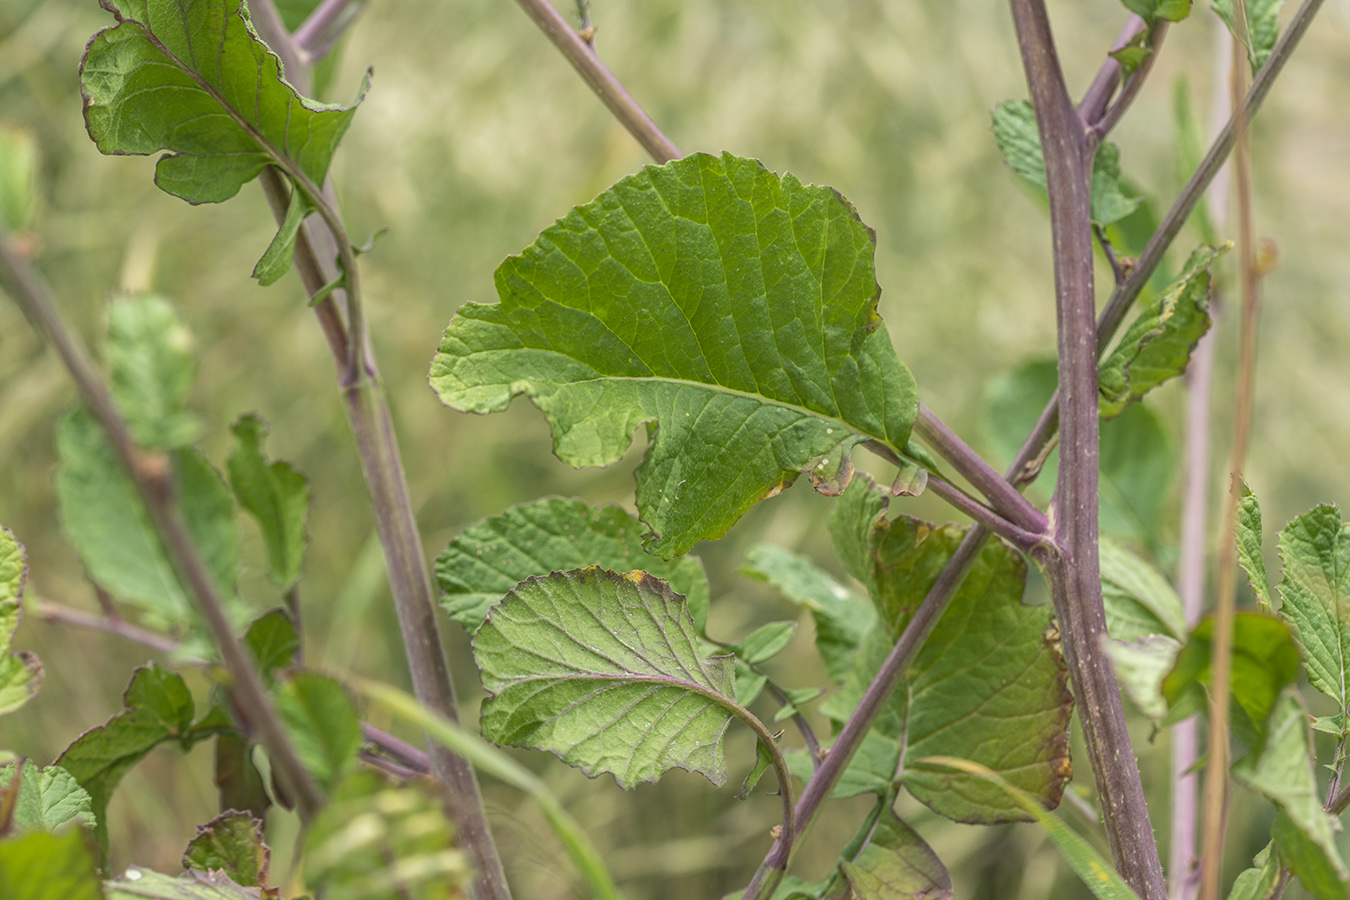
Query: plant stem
(602,80)
(1024,541)
(60,614)
(1102,127)
(316,35)
(151,475)
(1094,103)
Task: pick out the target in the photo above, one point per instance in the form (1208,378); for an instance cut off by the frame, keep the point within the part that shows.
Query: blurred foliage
(476,136)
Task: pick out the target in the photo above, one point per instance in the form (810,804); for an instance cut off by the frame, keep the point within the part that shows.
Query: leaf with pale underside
(604,670)
(728,308)
(491,557)
(897,864)
(191,77)
(20,673)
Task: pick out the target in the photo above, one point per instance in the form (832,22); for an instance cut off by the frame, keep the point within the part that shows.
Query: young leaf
(1262,881)
(1152,10)
(49,799)
(106,521)
(765,642)
(763,760)
(272,639)
(378,840)
(733,308)
(1281,770)
(20,673)
(1158,344)
(1019,141)
(152,359)
(45,866)
(322,724)
(842,618)
(1099,876)
(1260,30)
(1250,546)
(276,259)
(897,865)
(491,557)
(1315,549)
(1139,601)
(232,843)
(275,495)
(604,670)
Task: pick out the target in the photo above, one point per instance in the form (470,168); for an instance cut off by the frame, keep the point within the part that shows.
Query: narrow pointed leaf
(1250,546)
(152,360)
(322,725)
(45,866)
(1157,346)
(765,642)
(276,259)
(1259,32)
(20,673)
(604,670)
(232,842)
(897,865)
(732,308)
(49,799)
(842,618)
(491,557)
(1315,549)
(193,78)
(275,495)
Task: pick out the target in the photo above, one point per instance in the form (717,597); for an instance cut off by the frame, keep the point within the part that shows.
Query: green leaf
(1099,876)
(1261,29)
(491,557)
(276,259)
(1190,150)
(604,671)
(763,760)
(378,840)
(322,724)
(272,639)
(49,799)
(1152,10)
(765,642)
(18,177)
(1281,770)
(232,842)
(733,309)
(106,521)
(870,771)
(1265,661)
(1262,881)
(194,79)
(842,618)
(1315,589)
(143,884)
(1250,546)
(45,866)
(159,708)
(152,359)
(1139,601)
(20,673)
(1140,666)
(1137,461)
(275,495)
(897,865)
(1321,871)
(1132,56)
(1157,346)
(1019,141)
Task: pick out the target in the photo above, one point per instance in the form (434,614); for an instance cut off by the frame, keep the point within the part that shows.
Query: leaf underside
(732,308)
(20,673)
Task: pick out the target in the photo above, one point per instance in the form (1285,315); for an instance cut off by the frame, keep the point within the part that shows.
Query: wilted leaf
(49,799)
(1259,32)
(604,671)
(1315,549)
(275,495)
(152,359)
(897,865)
(45,866)
(20,673)
(732,308)
(232,842)
(322,725)
(491,557)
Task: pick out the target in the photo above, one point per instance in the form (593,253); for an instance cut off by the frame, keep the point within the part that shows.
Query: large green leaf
(191,77)
(275,495)
(1281,770)
(45,866)
(732,309)
(106,521)
(604,670)
(491,557)
(1158,344)
(20,673)
(152,359)
(897,865)
(1260,31)
(1315,588)
(842,618)
(49,799)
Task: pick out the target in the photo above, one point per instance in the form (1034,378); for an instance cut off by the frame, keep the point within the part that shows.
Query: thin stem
(316,35)
(803,727)
(601,80)
(1117,271)
(60,614)
(1103,87)
(1133,86)
(1003,497)
(152,477)
(1023,540)
(399,750)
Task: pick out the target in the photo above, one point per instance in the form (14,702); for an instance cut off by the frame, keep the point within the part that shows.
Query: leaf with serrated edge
(1157,346)
(1281,770)
(604,670)
(1315,550)
(897,864)
(1251,546)
(45,866)
(275,495)
(232,842)
(152,360)
(1262,27)
(20,673)
(842,618)
(49,799)
(491,557)
(733,308)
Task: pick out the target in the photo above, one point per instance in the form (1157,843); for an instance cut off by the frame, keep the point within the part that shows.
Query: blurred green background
(475,136)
